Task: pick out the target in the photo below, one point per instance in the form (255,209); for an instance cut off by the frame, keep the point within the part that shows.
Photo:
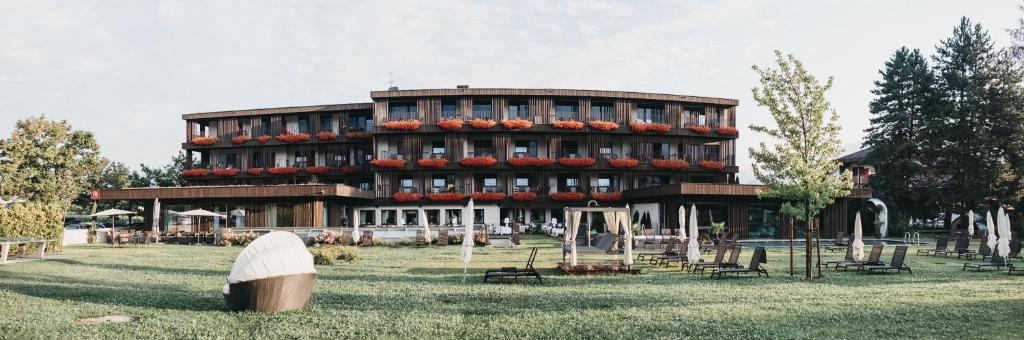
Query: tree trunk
(792,225)
(807,236)
(817,246)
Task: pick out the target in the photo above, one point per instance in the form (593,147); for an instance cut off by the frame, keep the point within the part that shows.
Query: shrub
(488,196)
(567,124)
(601,125)
(34,220)
(524,196)
(348,254)
(406,197)
(446,197)
(403,125)
(516,124)
(482,123)
(231,238)
(450,124)
(324,256)
(652,127)
(455,238)
(328,238)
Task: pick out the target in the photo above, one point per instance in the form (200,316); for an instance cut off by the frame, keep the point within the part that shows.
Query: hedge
(33,220)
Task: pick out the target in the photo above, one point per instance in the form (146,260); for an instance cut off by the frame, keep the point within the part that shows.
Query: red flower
(727,131)
(603,125)
(225,172)
(358,135)
(524,196)
(670,164)
(194,172)
(403,125)
(293,137)
(487,196)
(576,162)
(446,197)
(351,169)
(406,197)
(698,129)
(433,163)
(623,163)
(326,135)
(712,165)
(284,170)
(205,140)
(388,163)
(516,124)
(607,196)
(255,171)
(478,162)
(263,138)
(566,196)
(651,127)
(317,170)
(531,161)
(450,124)
(567,124)
(240,139)
(482,123)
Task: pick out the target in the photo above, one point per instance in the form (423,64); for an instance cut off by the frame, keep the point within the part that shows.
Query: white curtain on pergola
(572,226)
(624,220)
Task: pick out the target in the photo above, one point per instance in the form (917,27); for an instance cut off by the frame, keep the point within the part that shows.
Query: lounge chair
(754,267)
(677,257)
(874,259)
(719,256)
(421,238)
(1012,267)
(669,250)
(732,262)
(838,244)
(960,247)
(442,237)
(983,251)
(603,246)
(998,262)
(1015,246)
(848,259)
(941,244)
(516,272)
(896,264)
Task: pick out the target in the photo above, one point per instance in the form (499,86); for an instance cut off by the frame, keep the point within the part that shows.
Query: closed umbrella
(1003,244)
(467,240)
(623,220)
(970,223)
(693,247)
(423,223)
(682,222)
(858,239)
(991,228)
(355,227)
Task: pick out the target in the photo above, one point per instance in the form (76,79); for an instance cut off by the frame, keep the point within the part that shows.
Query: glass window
(695,115)
(566,110)
(650,112)
(522,181)
(433,216)
(604,182)
(326,122)
(602,111)
(439,182)
(367,217)
(478,216)
(402,110)
(437,147)
(406,182)
(482,108)
(570,149)
(483,148)
(537,216)
(490,182)
(448,109)
(518,109)
(359,122)
(389,217)
(572,182)
(264,126)
(411,217)
(303,124)
(227,160)
(453,216)
(711,152)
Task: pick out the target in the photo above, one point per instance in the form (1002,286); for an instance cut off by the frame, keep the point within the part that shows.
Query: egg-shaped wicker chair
(274,273)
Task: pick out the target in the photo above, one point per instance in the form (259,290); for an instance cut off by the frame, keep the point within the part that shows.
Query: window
(570,149)
(608,183)
(537,216)
(568,183)
(711,152)
(650,113)
(483,148)
(228,160)
(359,122)
(453,216)
(695,115)
(326,122)
(437,147)
(525,148)
(257,160)
(602,111)
(650,181)
(478,216)
(604,182)
(433,216)
(439,182)
(522,181)
(605,150)
(518,109)
(490,182)
(567,110)
(402,110)
(482,108)
(448,109)
(406,182)
(411,217)
(389,217)
(367,217)
(660,151)
(303,124)
(264,126)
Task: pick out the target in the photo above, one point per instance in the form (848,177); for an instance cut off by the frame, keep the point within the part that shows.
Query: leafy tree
(801,168)
(115,175)
(162,176)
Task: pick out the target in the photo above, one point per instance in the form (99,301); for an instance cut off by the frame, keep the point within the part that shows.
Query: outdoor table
(5,248)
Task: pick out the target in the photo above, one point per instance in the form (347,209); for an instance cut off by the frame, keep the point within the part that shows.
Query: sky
(128,70)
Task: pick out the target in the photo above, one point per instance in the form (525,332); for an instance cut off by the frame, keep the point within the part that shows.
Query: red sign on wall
(94,194)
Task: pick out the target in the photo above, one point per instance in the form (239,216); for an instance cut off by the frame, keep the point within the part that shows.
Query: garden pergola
(613,217)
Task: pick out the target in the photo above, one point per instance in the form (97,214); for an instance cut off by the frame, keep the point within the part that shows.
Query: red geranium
(351,169)
(293,137)
(623,163)
(727,131)
(478,162)
(358,135)
(531,161)
(240,139)
(524,196)
(433,163)
(576,162)
(699,129)
(317,170)
(567,124)
(482,123)
(388,163)
(326,135)
(652,127)
(263,138)
(670,164)
(446,197)
(603,125)
(406,197)
(450,124)
(205,140)
(403,125)
(255,171)
(566,196)
(712,165)
(488,196)
(516,124)
(607,196)
(225,172)
(194,172)
(284,170)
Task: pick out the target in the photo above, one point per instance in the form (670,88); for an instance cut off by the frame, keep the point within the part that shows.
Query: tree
(800,169)
(162,176)
(115,175)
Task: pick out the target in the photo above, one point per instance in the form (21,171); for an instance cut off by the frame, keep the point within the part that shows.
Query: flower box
(433,163)
(358,135)
(482,123)
(566,196)
(531,162)
(388,163)
(623,163)
(241,139)
(406,197)
(255,171)
(284,170)
(649,127)
(293,137)
(727,131)
(524,196)
(225,172)
(446,197)
(487,196)
(403,125)
(263,138)
(194,172)
(478,162)
(602,125)
(450,124)
(351,169)
(205,140)
(567,124)
(670,164)
(326,135)
(607,196)
(699,129)
(516,124)
(712,165)
(317,170)
(576,162)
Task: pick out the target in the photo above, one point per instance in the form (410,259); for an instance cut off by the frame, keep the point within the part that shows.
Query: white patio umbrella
(991,228)
(682,222)
(355,227)
(858,239)
(111,213)
(970,223)
(201,213)
(423,223)
(693,248)
(467,240)
(1003,244)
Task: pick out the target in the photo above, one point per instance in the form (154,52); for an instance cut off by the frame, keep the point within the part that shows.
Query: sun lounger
(896,264)
(847,259)
(677,257)
(719,257)
(941,244)
(733,261)
(651,256)
(874,259)
(838,244)
(1012,267)
(997,262)
(960,247)
(442,237)
(754,267)
(983,251)
(514,272)
(603,246)
(421,238)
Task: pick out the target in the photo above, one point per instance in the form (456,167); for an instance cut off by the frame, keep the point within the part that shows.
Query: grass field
(174,291)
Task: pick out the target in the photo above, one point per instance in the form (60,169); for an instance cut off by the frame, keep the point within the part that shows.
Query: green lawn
(419,293)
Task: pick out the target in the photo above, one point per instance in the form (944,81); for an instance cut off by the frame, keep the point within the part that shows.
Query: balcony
(228,140)
(539,128)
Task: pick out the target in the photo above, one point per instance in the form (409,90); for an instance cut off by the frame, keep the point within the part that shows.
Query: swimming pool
(776,243)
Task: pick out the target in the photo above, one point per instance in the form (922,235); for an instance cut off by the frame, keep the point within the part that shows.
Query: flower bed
(284,170)
(699,129)
(602,125)
(205,140)
(446,197)
(317,170)
(433,163)
(566,196)
(482,123)
(358,135)
(225,172)
(531,162)
(576,162)
(712,165)
(263,138)
(351,169)
(328,238)
(478,162)
(255,171)
(450,124)
(607,196)
(406,197)
(524,196)
(650,127)
(567,124)
(403,125)
(194,172)
(516,124)
(241,139)
(293,137)
(326,135)
(623,163)
(487,196)
(727,131)
(670,164)
(231,238)
(388,163)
